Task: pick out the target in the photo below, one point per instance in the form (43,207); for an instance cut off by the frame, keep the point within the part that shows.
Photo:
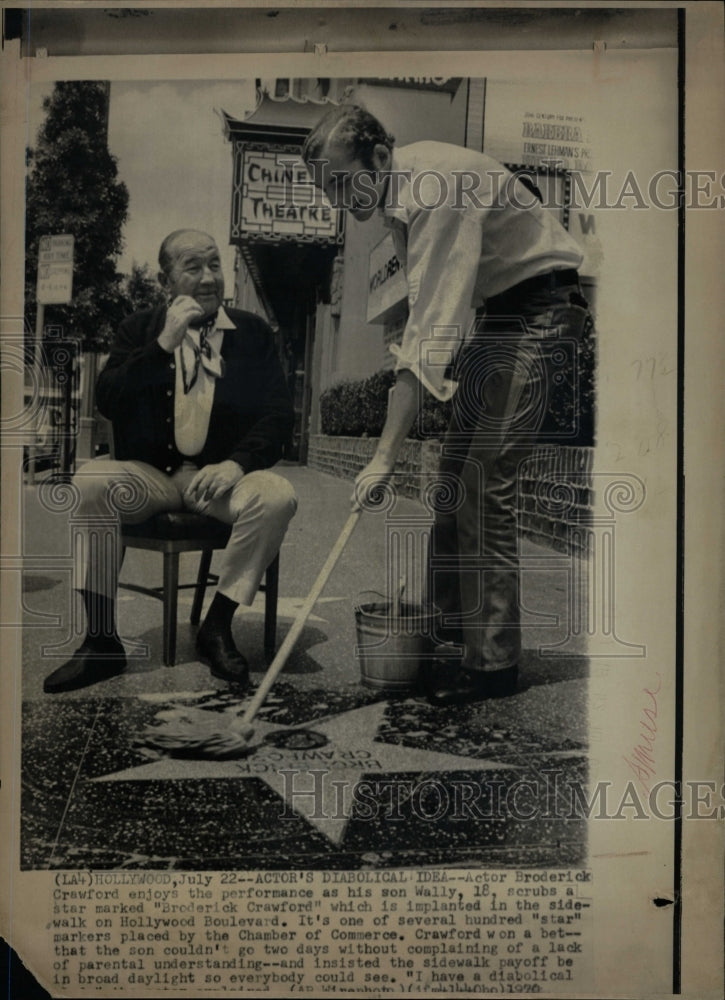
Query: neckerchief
(203,355)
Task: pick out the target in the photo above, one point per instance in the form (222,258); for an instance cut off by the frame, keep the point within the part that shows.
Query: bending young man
(469,234)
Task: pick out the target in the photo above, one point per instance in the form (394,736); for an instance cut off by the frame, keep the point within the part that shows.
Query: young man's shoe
(92,662)
(464,685)
(446,660)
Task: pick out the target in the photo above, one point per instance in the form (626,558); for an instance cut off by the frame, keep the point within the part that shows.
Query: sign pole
(37,357)
(54,287)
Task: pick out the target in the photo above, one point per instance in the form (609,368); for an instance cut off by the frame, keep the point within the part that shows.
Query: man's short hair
(349,126)
(166,257)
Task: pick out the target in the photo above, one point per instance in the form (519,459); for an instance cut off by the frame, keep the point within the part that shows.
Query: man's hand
(375,474)
(403,405)
(213,481)
(182,311)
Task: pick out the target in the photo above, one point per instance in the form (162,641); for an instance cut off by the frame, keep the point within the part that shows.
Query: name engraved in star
(269,760)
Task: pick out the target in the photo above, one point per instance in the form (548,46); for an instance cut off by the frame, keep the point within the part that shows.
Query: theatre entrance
(293,280)
(287,236)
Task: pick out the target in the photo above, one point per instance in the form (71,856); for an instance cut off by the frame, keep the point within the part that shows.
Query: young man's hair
(351,127)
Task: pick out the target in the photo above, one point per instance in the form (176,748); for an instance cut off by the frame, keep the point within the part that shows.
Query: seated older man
(200,411)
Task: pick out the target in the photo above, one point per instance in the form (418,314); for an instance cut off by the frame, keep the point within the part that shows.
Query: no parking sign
(55,270)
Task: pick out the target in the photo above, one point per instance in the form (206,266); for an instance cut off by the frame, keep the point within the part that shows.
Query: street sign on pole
(55,270)
(55,287)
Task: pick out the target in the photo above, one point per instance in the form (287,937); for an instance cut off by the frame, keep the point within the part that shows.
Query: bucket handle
(360,599)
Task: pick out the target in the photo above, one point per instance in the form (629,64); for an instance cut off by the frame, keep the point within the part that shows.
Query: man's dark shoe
(464,685)
(217,651)
(91,663)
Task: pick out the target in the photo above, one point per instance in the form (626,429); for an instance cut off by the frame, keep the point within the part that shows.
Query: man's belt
(540,283)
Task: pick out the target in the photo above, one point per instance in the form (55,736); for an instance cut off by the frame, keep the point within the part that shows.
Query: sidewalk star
(316,783)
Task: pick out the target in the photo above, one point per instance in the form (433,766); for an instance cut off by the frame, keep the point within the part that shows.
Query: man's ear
(163,280)
(381,157)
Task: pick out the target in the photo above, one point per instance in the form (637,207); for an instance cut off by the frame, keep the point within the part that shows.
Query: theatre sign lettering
(442,84)
(273,200)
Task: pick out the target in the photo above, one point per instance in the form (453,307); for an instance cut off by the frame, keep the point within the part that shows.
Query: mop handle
(291,638)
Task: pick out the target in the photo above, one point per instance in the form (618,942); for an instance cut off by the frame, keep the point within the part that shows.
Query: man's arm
(138,360)
(444,251)
(136,363)
(444,257)
(403,406)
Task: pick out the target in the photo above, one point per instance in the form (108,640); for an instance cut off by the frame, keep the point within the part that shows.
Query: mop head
(196,733)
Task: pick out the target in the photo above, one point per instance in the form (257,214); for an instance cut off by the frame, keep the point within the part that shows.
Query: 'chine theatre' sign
(274,200)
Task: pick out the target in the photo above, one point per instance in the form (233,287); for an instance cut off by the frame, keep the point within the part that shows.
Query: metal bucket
(391,646)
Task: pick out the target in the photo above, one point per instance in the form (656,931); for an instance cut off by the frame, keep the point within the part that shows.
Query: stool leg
(201,579)
(271,590)
(171,593)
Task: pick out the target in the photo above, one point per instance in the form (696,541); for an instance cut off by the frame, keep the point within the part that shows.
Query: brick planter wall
(346,456)
(555,486)
(556,497)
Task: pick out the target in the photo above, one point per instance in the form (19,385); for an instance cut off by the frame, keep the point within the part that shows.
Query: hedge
(358,408)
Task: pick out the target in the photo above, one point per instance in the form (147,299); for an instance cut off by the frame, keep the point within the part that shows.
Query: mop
(189,732)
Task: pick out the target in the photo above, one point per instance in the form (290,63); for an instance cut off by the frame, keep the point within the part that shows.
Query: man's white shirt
(193,408)
(456,258)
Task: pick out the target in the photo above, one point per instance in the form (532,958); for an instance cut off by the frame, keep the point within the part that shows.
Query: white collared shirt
(193,409)
(455,258)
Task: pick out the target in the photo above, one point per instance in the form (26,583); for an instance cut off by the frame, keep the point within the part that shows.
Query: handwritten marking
(651,367)
(642,761)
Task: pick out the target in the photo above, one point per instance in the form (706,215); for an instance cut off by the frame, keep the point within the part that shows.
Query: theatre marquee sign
(273,200)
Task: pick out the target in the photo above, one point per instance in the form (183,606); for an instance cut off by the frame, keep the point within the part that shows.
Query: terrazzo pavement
(400,783)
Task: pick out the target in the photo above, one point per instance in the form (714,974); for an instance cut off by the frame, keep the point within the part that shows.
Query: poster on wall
(403,757)
(521,127)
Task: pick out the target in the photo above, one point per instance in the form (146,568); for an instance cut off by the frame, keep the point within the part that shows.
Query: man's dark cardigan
(251,417)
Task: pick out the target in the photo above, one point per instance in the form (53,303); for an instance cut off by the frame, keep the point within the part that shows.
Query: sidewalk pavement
(321,681)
